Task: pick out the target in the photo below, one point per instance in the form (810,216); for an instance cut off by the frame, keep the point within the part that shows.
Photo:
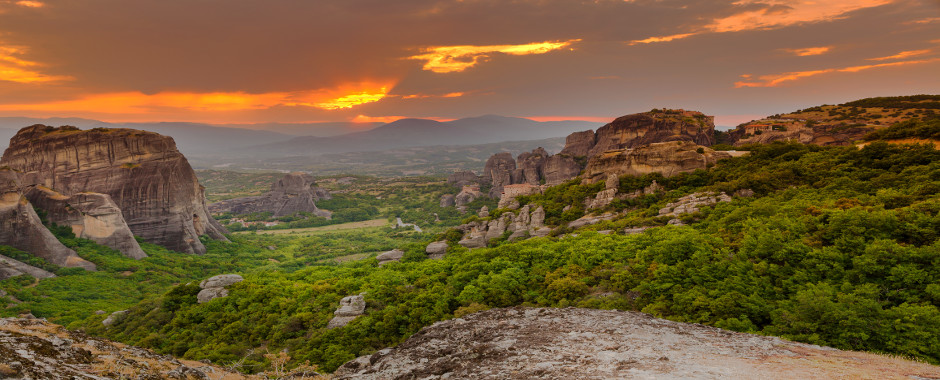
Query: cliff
(641,129)
(546,343)
(667,158)
(143,173)
(21,228)
(295,192)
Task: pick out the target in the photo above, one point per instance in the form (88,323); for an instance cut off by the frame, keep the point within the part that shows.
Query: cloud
(449,59)
(803,52)
(902,55)
(774,14)
(775,80)
(15,69)
(30,4)
(389,119)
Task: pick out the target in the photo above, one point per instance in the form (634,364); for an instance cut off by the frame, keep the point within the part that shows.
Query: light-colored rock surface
(484,212)
(387,257)
(693,202)
(144,174)
(214,287)
(667,158)
(113,317)
(349,308)
(531,343)
(21,228)
(592,219)
(92,216)
(293,193)
(36,349)
(436,250)
(12,268)
(498,172)
(448,200)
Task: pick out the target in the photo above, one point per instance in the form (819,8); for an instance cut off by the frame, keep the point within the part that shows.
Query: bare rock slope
(295,192)
(532,343)
(143,173)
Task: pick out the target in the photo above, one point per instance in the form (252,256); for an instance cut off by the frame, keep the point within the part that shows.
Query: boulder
(473,241)
(448,200)
(436,250)
(214,287)
(147,178)
(349,308)
(484,212)
(113,317)
(387,257)
(538,218)
(634,230)
(12,268)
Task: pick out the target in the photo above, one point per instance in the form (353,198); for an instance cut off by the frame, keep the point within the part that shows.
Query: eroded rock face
(560,168)
(349,308)
(668,158)
(214,287)
(579,144)
(143,173)
(641,129)
(498,172)
(692,203)
(448,200)
(92,216)
(464,178)
(519,225)
(12,268)
(295,192)
(529,167)
(436,250)
(574,343)
(21,228)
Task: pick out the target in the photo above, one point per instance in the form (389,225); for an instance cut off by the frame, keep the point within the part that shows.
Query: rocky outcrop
(507,199)
(574,343)
(349,308)
(12,268)
(21,228)
(560,168)
(592,219)
(464,178)
(498,172)
(529,167)
(390,256)
(525,223)
(668,158)
(36,349)
(693,203)
(466,195)
(448,200)
(215,287)
(144,174)
(579,144)
(656,126)
(295,192)
(770,130)
(436,250)
(92,216)
(113,317)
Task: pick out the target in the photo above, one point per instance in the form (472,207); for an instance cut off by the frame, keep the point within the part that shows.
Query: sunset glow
(776,79)
(448,59)
(804,52)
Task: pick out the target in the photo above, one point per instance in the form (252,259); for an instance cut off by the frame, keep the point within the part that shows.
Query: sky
(253,61)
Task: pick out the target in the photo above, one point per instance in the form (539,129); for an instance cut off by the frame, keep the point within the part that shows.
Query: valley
(820,226)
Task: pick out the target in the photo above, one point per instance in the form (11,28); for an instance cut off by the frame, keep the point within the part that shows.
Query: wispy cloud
(804,52)
(449,59)
(774,14)
(16,69)
(774,80)
(902,55)
(30,4)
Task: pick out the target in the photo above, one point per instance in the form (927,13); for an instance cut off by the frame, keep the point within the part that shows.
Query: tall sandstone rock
(21,228)
(625,133)
(667,158)
(143,173)
(295,192)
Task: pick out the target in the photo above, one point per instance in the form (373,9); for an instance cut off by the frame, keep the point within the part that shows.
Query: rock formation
(436,250)
(390,256)
(667,158)
(92,216)
(295,192)
(573,343)
(519,225)
(468,194)
(349,308)
(448,200)
(21,228)
(36,349)
(625,134)
(693,203)
(12,268)
(464,178)
(214,287)
(144,174)
(113,317)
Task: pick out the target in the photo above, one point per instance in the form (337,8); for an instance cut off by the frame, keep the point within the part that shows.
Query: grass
(315,230)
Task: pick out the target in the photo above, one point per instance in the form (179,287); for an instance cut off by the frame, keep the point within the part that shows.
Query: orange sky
(255,61)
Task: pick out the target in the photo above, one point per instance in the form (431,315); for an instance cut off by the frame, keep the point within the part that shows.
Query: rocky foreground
(36,349)
(535,343)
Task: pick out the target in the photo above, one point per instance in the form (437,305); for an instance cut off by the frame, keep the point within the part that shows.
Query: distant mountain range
(248,141)
(422,132)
